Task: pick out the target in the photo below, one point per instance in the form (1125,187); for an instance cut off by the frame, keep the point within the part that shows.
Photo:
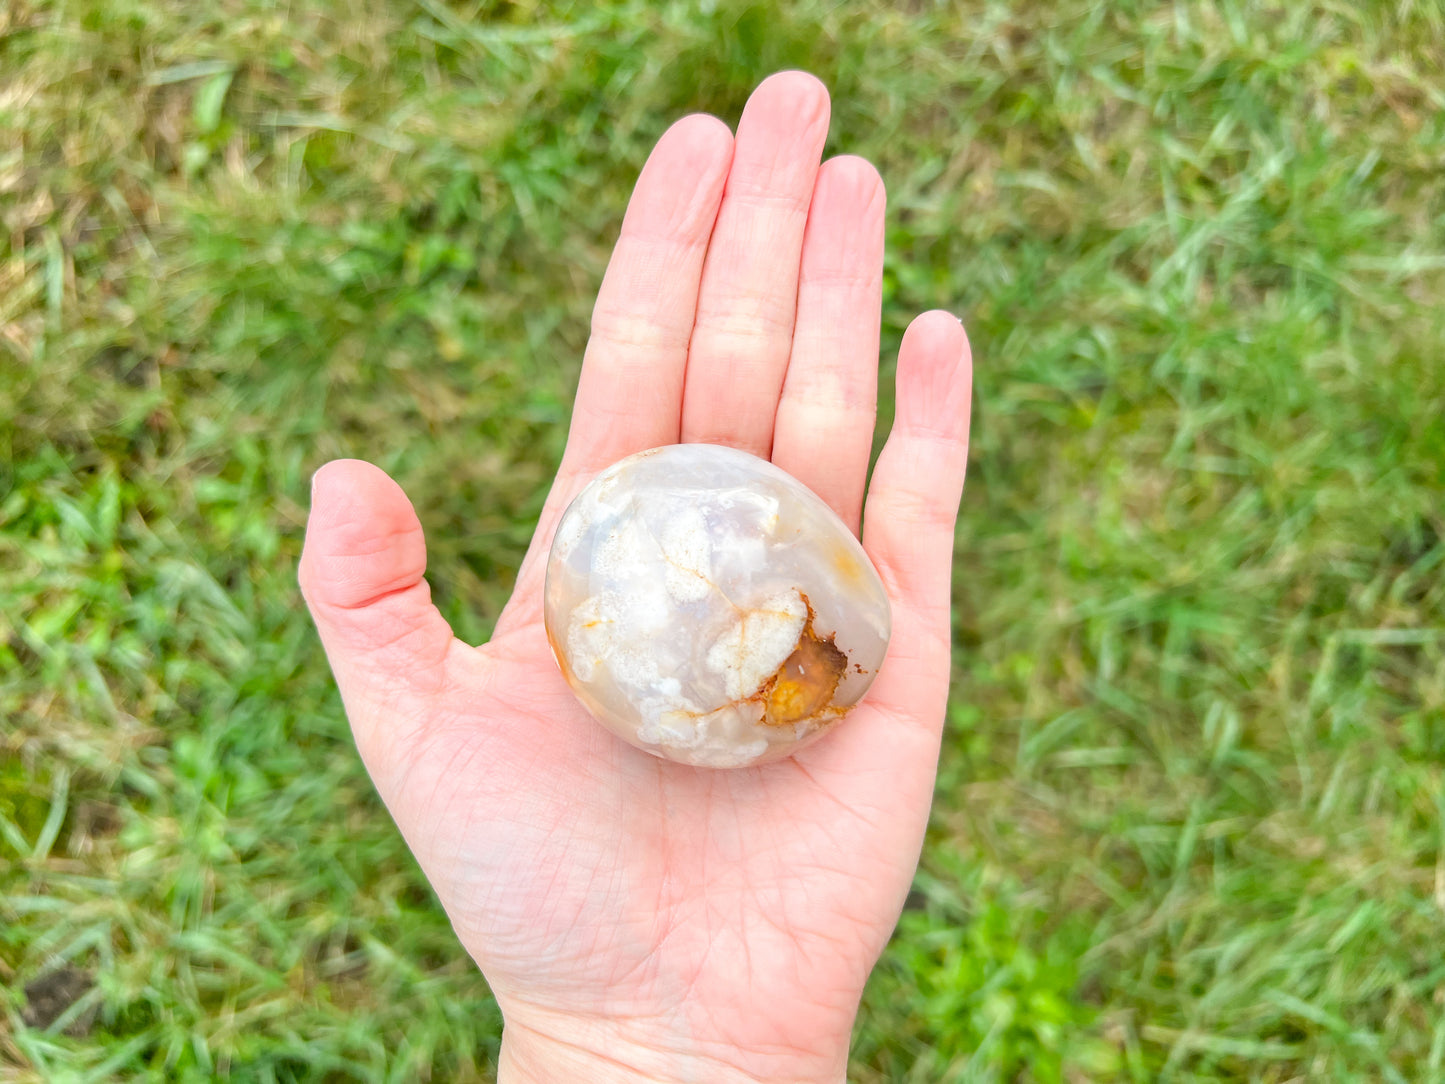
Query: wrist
(571,1049)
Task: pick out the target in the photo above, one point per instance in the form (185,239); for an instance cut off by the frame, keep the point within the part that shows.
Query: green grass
(1189,818)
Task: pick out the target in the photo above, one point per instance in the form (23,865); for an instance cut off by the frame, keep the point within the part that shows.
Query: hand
(637,919)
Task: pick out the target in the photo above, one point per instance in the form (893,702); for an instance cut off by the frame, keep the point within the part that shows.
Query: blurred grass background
(1189,819)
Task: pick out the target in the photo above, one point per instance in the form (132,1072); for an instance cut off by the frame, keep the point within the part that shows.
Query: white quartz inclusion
(759,642)
(709,608)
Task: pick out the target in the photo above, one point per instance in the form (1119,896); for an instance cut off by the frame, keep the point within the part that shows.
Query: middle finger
(746,303)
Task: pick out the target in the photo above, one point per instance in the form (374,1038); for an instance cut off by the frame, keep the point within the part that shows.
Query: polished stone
(711,609)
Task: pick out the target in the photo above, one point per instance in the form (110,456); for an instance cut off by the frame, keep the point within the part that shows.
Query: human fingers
(912,507)
(629,395)
(824,428)
(744,326)
(362,575)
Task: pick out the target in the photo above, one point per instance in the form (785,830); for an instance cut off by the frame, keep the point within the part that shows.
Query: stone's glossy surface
(709,608)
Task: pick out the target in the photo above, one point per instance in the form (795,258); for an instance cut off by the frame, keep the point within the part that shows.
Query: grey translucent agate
(709,608)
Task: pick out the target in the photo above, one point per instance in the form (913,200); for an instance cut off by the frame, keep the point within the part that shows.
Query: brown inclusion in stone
(804,685)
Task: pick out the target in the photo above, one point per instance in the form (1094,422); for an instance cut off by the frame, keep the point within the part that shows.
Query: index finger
(629,396)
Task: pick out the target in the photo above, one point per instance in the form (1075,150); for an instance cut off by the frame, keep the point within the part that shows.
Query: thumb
(362,575)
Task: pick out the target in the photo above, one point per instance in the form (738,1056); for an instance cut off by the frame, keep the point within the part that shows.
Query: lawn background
(1189,817)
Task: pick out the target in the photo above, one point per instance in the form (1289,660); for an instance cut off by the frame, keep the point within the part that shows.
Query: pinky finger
(913,506)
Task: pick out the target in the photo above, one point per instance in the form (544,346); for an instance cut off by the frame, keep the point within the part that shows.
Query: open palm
(637,918)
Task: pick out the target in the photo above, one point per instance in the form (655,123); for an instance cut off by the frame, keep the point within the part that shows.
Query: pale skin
(639,920)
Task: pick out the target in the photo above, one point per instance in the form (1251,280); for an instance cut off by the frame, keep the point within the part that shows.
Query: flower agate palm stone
(710,609)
